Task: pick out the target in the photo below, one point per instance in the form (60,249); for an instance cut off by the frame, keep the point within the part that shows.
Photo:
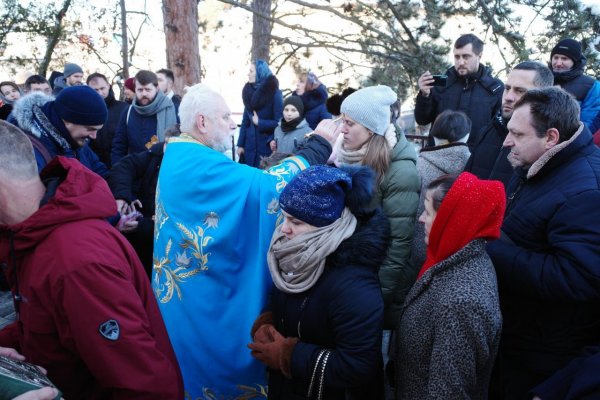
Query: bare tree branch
(54,37)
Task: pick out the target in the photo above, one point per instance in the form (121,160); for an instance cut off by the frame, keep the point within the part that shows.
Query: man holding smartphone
(469,87)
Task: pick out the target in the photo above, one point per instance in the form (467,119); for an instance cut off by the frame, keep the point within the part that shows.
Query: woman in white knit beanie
(368,137)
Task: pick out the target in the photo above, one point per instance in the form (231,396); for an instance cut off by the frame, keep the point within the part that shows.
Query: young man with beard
(63,126)
(72,76)
(470,88)
(567,63)
(488,156)
(143,124)
(547,260)
(103,142)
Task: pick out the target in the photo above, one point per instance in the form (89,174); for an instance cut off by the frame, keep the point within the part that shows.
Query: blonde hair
(312,82)
(378,156)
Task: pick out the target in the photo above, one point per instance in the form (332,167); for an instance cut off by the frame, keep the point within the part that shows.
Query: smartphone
(440,80)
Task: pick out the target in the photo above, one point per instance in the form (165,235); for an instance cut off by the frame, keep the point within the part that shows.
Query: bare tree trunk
(54,38)
(181,30)
(261,30)
(124,40)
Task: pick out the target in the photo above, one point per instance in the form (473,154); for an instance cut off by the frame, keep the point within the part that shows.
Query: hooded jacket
(398,196)
(586,90)
(478,95)
(87,312)
(343,312)
(32,120)
(60,82)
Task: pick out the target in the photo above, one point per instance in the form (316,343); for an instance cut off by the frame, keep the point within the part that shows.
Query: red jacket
(76,274)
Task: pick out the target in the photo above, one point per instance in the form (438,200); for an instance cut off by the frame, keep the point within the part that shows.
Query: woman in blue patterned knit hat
(323,335)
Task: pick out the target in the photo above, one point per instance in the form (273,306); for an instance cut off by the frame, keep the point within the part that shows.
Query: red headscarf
(473,208)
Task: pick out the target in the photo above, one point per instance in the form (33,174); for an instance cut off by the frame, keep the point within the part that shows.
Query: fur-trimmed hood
(25,108)
(367,247)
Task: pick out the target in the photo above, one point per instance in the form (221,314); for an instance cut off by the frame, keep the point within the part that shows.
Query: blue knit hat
(71,69)
(316,195)
(81,105)
(370,107)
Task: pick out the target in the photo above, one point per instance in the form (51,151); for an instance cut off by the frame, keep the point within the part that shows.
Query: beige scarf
(297,264)
(351,156)
(356,156)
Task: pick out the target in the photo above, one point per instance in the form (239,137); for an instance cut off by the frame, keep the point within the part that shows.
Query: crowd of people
(330,261)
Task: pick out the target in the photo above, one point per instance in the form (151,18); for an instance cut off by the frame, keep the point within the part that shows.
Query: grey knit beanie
(71,69)
(370,107)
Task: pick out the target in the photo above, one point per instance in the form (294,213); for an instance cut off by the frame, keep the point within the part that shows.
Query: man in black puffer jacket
(567,63)
(470,88)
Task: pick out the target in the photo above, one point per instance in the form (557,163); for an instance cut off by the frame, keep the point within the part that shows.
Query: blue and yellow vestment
(214,221)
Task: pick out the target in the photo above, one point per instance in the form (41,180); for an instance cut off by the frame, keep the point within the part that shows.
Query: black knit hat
(81,105)
(296,101)
(568,47)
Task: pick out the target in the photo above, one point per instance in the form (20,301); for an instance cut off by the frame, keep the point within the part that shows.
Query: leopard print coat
(449,330)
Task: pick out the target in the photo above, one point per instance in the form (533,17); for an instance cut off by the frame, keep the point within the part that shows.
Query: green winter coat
(398,196)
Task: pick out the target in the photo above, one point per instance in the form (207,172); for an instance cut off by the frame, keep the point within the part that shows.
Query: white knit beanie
(370,107)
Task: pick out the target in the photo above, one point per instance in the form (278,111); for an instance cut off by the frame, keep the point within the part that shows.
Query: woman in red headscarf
(450,325)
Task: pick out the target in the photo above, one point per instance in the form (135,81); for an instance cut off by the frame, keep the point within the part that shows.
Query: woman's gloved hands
(272,349)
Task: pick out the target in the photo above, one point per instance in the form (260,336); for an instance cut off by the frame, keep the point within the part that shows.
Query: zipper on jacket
(514,194)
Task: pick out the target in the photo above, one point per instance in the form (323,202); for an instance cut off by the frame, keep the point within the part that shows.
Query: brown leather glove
(264,318)
(263,334)
(276,354)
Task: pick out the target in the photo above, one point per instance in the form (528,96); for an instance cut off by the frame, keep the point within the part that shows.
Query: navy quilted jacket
(548,261)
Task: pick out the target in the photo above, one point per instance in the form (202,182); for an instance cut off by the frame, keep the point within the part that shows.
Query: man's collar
(547,156)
